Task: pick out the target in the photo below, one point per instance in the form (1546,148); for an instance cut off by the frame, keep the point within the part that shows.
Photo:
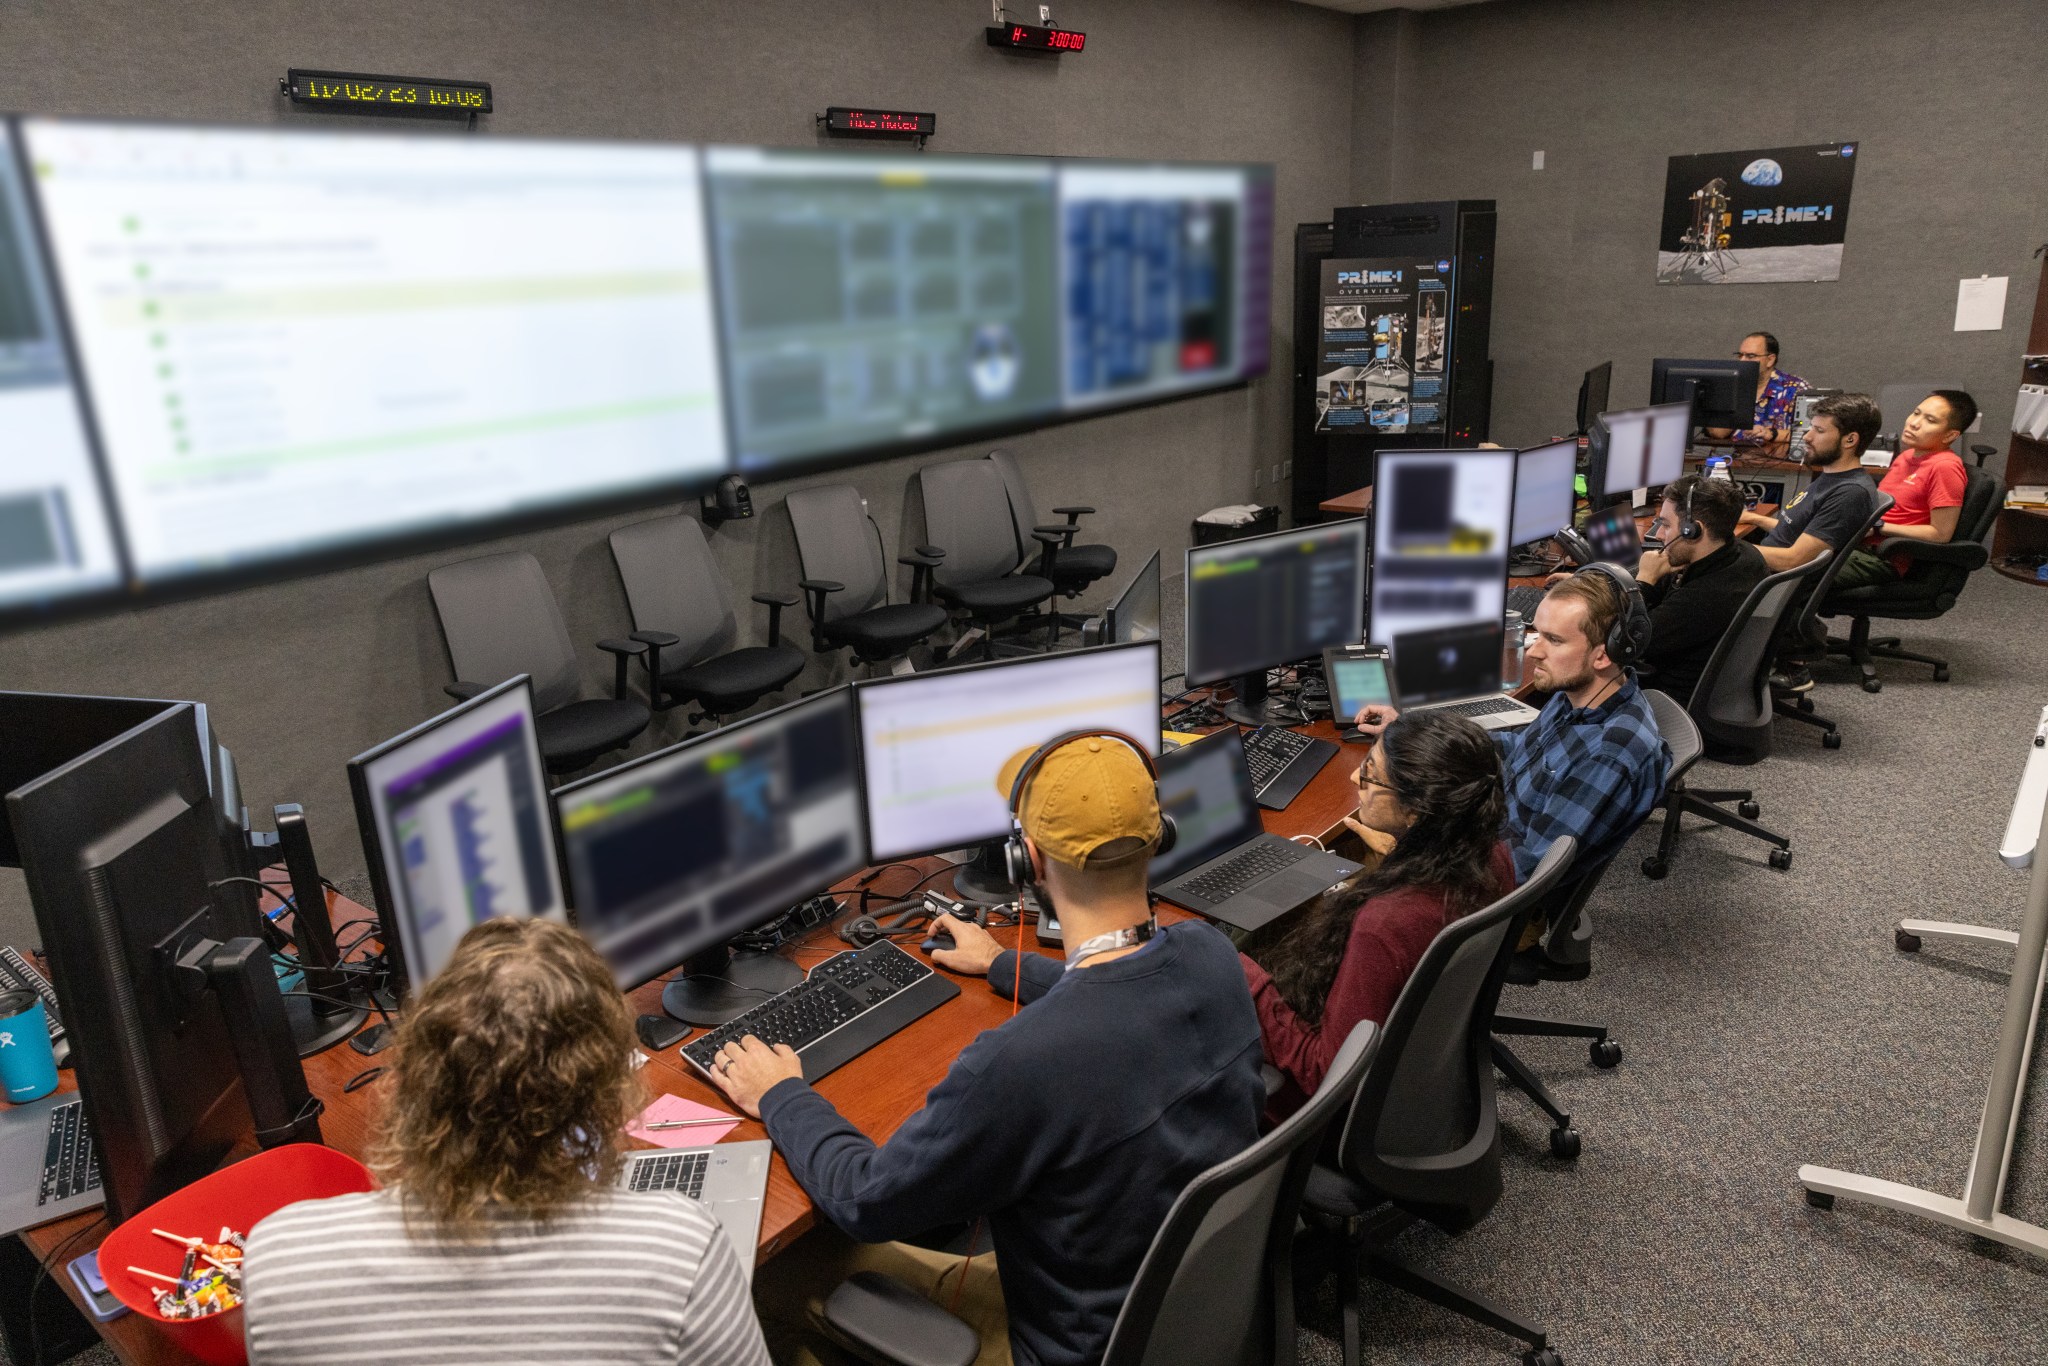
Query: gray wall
(1953,177)
(303,674)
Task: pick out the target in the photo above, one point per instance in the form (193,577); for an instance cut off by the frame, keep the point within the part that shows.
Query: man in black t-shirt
(1696,584)
(1829,515)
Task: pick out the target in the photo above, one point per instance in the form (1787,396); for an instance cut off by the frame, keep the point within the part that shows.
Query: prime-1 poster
(1384,339)
(1744,218)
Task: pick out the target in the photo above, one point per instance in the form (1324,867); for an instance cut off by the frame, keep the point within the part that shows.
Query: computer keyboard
(1525,599)
(850,1002)
(1233,875)
(1281,762)
(1484,706)
(679,1171)
(18,974)
(71,1164)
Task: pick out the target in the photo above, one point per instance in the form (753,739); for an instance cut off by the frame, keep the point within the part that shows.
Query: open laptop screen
(1207,790)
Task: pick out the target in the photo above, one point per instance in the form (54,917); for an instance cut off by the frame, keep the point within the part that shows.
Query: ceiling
(1369,6)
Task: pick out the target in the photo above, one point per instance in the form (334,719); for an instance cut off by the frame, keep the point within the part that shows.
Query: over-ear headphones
(864,930)
(1016,857)
(1688,529)
(1630,635)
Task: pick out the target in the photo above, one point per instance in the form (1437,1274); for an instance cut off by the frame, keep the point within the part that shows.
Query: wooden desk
(1356,503)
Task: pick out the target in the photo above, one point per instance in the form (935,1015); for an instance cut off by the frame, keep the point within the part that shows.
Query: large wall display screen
(872,302)
(303,342)
(56,540)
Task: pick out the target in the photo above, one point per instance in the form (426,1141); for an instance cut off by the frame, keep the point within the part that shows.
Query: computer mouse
(940,940)
(660,1031)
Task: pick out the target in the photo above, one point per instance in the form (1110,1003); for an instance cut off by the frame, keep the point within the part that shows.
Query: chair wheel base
(1820,1199)
(1655,868)
(1542,1356)
(1781,859)
(1941,674)
(1564,1144)
(1905,943)
(1831,740)
(1605,1053)
(1872,685)
(1749,811)
(1806,704)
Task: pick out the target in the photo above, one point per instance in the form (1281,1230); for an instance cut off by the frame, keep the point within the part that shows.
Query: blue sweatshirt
(1072,1128)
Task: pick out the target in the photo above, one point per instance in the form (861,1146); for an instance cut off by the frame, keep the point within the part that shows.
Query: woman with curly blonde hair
(498,1234)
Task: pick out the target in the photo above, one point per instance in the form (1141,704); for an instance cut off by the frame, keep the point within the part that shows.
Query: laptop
(731,1178)
(1223,863)
(49,1166)
(1457,669)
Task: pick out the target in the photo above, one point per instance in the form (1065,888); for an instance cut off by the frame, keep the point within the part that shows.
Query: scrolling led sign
(1034,38)
(879,123)
(386,94)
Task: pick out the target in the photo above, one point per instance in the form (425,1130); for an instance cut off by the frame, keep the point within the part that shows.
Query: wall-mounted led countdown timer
(879,123)
(365,94)
(1035,38)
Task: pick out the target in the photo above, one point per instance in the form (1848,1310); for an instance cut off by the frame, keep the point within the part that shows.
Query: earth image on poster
(1763,171)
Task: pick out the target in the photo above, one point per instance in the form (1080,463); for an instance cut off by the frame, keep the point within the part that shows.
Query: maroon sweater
(1389,935)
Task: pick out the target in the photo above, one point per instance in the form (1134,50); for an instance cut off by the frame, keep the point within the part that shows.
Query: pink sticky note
(675,1107)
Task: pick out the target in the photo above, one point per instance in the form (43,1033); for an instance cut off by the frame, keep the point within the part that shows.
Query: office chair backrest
(1811,607)
(1681,734)
(1732,702)
(1023,512)
(500,618)
(673,585)
(1983,495)
(1203,1294)
(1423,1130)
(967,515)
(836,540)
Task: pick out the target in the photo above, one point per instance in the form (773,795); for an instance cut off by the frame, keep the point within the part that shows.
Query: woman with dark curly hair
(498,1235)
(1432,787)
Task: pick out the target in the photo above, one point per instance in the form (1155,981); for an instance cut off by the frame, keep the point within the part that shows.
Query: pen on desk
(690,1123)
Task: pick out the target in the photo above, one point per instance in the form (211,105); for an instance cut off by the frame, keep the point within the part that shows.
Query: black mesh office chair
(979,574)
(1930,586)
(1423,1134)
(683,615)
(1074,567)
(1217,1284)
(500,618)
(1799,706)
(846,579)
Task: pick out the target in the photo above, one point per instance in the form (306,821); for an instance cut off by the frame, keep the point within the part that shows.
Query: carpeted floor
(1768,1022)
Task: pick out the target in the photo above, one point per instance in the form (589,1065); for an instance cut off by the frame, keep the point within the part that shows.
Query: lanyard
(1109,943)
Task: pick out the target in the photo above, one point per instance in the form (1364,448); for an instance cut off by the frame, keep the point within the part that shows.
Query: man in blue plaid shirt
(1592,763)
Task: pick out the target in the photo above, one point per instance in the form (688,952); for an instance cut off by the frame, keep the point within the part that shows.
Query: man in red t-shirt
(1926,481)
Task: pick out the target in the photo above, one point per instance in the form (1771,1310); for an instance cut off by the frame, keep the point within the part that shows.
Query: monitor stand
(1249,706)
(720,983)
(984,880)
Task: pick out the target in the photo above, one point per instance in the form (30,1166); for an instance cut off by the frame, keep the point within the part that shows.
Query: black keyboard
(1281,762)
(1240,871)
(1484,706)
(1525,600)
(678,1171)
(18,974)
(71,1164)
(850,1002)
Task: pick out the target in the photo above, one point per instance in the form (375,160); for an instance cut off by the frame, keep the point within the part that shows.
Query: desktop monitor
(1721,393)
(670,856)
(932,744)
(454,820)
(1133,614)
(1445,563)
(1546,490)
(1670,434)
(1638,448)
(124,870)
(1264,601)
(1593,394)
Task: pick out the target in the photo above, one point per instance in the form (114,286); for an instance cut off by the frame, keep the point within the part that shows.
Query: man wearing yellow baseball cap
(1072,1127)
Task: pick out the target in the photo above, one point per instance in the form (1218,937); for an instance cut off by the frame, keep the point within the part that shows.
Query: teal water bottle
(28,1066)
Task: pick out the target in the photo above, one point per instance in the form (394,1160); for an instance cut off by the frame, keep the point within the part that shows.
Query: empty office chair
(968,523)
(500,618)
(1730,715)
(683,615)
(1424,1132)
(1074,567)
(1216,1286)
(847,579)
(1929,587)
(1799,706)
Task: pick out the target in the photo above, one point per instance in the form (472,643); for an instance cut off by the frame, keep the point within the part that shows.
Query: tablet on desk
(1358,678)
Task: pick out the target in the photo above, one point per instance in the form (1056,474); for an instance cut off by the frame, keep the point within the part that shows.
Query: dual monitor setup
(233,352)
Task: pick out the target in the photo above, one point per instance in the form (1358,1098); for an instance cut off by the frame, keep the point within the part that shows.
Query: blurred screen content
(303,341)
(1267,600)
(1441,527)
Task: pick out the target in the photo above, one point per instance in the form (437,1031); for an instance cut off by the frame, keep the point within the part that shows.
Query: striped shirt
(641,1277)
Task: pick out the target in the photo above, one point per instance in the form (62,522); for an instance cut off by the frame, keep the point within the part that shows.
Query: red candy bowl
(239,1197)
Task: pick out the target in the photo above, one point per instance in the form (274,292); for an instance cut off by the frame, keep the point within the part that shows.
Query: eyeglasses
(1751,355)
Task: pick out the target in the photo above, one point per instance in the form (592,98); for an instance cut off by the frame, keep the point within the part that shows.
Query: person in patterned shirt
(1776,392)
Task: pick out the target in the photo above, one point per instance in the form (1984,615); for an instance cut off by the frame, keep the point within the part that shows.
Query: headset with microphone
(1629,637)
(1688,529)
(1017,856)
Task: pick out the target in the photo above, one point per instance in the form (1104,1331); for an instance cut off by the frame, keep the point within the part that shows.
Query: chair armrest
(775,602)
(818,586)
(887,1320)
(930,552)
(921,567)
(1052,541)
(1072,514)
(1049,537)
(819,589)
(621,651)
(656,642)
(1965,555)
(1063,530)
(462,692)
(660,640)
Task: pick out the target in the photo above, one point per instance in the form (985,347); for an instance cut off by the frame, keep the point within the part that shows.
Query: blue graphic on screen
(1146,292)
(470,839)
